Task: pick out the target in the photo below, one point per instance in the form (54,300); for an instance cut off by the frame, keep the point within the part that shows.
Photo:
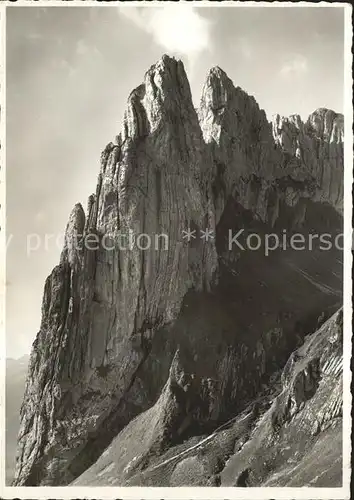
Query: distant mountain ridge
(16,370)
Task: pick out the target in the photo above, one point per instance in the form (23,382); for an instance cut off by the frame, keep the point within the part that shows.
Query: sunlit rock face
(193,328)
(262,164)
(240,138)
(314,150)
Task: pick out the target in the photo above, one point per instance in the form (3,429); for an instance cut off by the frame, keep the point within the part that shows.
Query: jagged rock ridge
(114,319)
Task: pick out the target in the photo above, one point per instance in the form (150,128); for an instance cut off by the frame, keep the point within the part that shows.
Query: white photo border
(146,493)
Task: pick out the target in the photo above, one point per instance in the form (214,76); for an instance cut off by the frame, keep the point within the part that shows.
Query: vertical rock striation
(130,291)
(103,302)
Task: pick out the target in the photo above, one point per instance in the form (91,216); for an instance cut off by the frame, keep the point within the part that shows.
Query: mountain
(16,370)
(183,312)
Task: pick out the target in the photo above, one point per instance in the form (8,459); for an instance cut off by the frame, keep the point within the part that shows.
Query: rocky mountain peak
(217,91)
(224,106)
(174,310)
(165,91)
(326,125)
(73,235)
(323,123)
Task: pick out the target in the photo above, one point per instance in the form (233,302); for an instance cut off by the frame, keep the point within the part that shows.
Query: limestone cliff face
(101,307)
(240,138)
(314,150)
(262,164)
(119,306)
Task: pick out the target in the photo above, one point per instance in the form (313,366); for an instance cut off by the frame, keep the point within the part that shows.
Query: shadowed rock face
(290,435)
(213,321)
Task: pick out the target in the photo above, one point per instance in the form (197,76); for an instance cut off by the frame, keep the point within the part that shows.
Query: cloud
(40,217)
(243,47)
(295,66)
(82,48)
(179,29)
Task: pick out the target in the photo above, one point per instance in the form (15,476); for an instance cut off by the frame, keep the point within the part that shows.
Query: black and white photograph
(176,198)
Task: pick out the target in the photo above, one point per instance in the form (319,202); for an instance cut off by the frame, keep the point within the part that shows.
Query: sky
(69,73)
